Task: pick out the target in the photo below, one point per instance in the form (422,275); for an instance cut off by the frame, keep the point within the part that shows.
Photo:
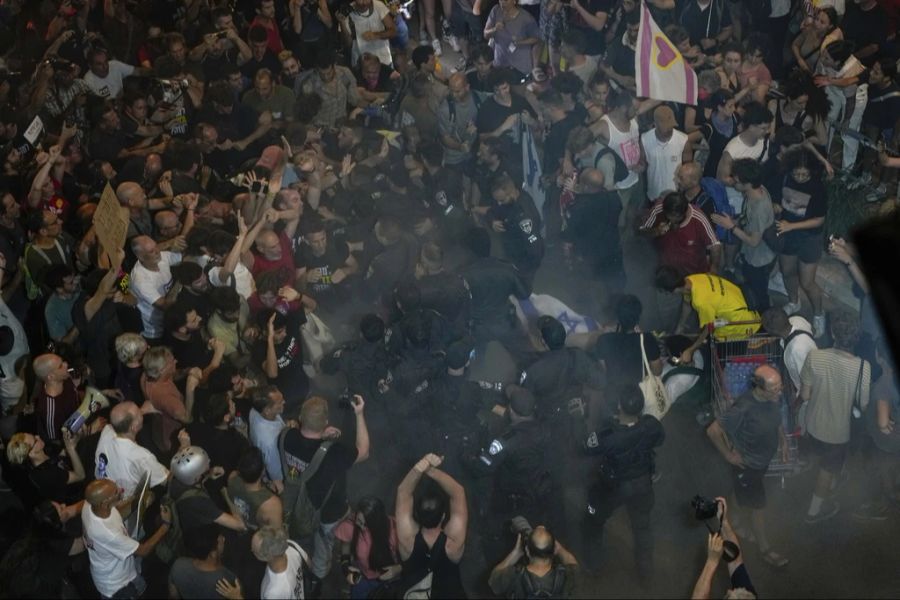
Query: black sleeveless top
(779,119)
(446,581)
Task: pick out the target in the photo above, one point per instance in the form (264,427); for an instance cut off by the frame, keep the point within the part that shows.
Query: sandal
(774,559)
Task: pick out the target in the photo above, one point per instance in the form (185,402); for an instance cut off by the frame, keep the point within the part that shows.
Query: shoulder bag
(656,398)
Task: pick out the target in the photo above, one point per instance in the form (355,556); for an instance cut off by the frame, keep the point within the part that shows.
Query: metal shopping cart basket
(733,362)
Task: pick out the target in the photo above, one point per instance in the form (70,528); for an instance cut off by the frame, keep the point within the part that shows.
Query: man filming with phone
(327,488)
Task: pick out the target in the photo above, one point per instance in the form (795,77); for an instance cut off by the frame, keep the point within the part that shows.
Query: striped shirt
(52,411)
(832,376)
(684,247)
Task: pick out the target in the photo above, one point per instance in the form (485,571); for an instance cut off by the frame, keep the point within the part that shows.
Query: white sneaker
(818,325)
(791,308)
(436,44)
(454,43)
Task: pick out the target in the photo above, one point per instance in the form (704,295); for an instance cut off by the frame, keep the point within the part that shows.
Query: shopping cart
(733,363)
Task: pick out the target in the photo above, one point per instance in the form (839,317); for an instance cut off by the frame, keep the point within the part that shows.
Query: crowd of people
(334,208)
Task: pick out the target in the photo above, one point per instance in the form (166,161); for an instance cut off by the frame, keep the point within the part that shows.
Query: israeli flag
(538,305)
(531,167)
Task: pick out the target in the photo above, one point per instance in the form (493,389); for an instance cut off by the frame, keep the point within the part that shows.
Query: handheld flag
(661,72)
(531,167)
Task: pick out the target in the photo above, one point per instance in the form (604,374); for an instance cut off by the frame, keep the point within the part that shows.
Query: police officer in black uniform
(460,408)
(565,382)
(491,281)
(561,378)
(442,196)
(516,219)
(516,460)
(366,363)
(625,446)
(442,290)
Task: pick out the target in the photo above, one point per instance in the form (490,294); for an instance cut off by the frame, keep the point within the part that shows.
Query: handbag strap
(646,363)
(314,464)
(857,401)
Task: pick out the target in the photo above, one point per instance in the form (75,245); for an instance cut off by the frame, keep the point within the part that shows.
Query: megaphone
(93,402)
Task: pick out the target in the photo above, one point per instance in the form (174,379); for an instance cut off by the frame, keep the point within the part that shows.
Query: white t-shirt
(125,462)
(373,22)
(110,549)
(662,160)
(737,149)
(287,585)
(109,87)
(243,280)
(148,287)
(680,383)
(796,352)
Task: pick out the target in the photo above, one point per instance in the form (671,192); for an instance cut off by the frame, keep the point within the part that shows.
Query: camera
(221,35)
(520,526)
(344,10)
(704,508)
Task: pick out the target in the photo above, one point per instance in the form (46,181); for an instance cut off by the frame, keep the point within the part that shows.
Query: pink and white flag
(661,72)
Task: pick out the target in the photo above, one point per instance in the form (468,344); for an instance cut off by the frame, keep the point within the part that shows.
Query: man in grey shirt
(758,216)
(748,435)
(456,121)
(201,573)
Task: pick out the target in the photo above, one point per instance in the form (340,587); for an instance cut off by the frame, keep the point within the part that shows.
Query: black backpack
(528,586)
(622,172)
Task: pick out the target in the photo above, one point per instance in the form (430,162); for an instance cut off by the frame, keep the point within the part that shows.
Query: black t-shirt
(621,352)
(476,84)
(707,23)
(269,61)
(51,480)
(193,352)
(292,379)
(214,67)
(865,27)
(299,453)
(555,142)
(882,108)
(334,258)
(224,447)
(107,145)
(491,114)
(595,41)
(802,201)
(194,511)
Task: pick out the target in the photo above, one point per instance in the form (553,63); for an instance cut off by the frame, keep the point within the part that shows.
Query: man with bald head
(748,435)
(115,572)
(687,181)
(550,570)
(151,284)
(120,458)
(272,251)
(56,397)
(456,122)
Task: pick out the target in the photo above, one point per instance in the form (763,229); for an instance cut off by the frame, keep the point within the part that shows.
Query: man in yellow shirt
(714,298)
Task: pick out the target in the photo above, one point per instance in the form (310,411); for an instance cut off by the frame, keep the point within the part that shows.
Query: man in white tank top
(618,129)
(750,143)
(664,148)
